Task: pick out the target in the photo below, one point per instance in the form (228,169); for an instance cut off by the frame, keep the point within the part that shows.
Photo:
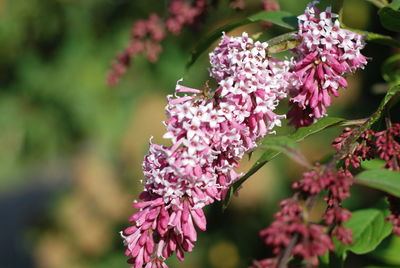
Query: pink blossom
(326,53)
(182,13)
(146,37)
(209,134)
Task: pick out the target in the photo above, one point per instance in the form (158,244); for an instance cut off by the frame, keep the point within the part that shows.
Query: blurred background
(71,147)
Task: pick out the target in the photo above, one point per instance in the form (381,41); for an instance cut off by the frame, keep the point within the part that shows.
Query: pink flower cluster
(326,54)
(182,13)
(210,131)
(383,145)
(146,35)
(394,217)
(291,226)
(309,240)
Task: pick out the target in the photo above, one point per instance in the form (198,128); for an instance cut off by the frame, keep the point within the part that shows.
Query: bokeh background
(71,147)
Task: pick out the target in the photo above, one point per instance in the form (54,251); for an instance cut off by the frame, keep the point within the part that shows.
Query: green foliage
(270,154)
(390,18)
(395,4)
(372,164)
(287,146)
(369,227)
(391,70)
(388,251)
(381,179)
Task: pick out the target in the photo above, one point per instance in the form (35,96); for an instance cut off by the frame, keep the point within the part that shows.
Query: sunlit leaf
(369,227)
(372,164)
(395,4)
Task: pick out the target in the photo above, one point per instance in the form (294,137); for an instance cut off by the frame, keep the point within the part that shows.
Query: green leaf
(390,18)
(372,164)
(281,18)
(268,155)
(389,251)
(286,145)
(369,227)
(390,69)
(320,125)
(381,179)
(279,143)
(395,4)
(382,39)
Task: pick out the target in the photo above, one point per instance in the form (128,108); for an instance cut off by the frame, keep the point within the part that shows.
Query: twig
(284,258)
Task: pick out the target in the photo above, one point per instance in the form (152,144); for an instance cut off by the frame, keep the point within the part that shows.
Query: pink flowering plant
(211,129)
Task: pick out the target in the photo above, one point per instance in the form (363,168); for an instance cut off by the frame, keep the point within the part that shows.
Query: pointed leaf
(369,227)
(381,179)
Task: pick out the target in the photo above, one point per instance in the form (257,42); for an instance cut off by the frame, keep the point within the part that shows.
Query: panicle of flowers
(210,131)
(383,145)
(326,54)
(146,35)
(182,13)
(335,215)
(292,228)
(394,217)
(338,183)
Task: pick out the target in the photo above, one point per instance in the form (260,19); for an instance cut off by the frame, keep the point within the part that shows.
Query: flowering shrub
(211,129)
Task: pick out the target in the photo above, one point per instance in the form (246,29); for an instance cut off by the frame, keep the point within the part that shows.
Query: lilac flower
(209,134)
(326,53)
